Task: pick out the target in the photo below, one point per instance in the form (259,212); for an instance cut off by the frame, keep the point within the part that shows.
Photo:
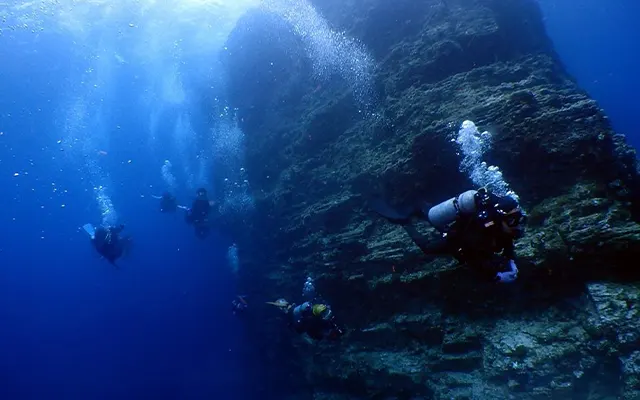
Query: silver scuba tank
(443,214)
(299,310)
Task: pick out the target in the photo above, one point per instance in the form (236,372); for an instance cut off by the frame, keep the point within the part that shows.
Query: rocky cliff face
(315,153)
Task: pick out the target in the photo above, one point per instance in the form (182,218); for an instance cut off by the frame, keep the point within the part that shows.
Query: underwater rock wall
(316,153)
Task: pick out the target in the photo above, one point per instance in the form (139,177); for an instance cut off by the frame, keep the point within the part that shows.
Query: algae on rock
(418,327)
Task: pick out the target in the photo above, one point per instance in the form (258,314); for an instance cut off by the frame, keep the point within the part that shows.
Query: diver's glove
(509,276)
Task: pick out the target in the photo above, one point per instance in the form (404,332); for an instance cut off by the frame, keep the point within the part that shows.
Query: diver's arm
(512,274)
(509,250)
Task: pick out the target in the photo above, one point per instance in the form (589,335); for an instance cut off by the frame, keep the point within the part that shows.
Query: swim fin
(395,215)
(91,231)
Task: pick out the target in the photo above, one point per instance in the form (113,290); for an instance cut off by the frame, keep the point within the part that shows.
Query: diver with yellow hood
(314,318)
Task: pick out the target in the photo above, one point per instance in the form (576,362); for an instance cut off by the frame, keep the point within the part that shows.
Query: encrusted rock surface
(418,329)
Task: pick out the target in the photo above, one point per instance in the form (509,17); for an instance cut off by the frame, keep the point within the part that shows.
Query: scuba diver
(314,318)
(108,241)
(309,289)
(198,214)
(475,227)
(168,203)
(239,305)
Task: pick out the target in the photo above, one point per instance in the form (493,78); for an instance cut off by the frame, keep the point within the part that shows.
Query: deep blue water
(597,42)
(73,327)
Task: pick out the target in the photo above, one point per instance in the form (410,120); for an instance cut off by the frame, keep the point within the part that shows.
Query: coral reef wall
(317,151)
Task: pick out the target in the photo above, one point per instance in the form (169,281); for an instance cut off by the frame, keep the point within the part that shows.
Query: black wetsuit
(168,203)
(109,243)
(316,327)
(471,239)
(198,215)
(468,240)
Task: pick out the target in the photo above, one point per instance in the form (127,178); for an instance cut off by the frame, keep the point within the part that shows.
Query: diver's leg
(430,247)
(392,214)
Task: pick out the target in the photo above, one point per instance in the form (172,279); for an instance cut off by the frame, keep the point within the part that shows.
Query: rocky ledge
(418,328)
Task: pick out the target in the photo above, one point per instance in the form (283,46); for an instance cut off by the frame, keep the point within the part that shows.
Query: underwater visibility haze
(319,199)
(96,96)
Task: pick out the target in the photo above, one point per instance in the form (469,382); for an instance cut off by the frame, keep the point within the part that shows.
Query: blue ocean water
(88,109)
(75,132)
(597,42)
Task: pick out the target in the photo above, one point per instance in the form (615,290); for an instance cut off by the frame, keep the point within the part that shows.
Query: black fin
(424,208)
(395,215)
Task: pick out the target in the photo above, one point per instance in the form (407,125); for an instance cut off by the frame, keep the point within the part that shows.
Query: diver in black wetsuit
(239,305)
(198,214)
(316,320)
(475,227)
(313,317)
(109,243)
(168,203)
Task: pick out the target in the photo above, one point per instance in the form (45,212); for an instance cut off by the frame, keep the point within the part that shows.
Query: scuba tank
(299,311)
(445,213)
